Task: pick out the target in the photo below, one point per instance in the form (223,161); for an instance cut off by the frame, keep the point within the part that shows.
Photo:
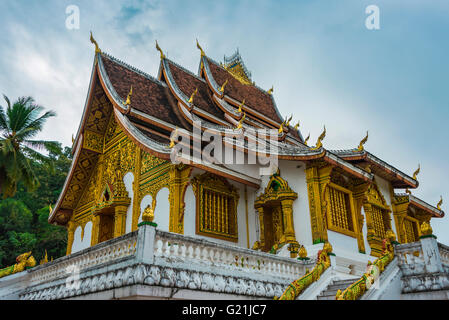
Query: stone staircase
(331,290)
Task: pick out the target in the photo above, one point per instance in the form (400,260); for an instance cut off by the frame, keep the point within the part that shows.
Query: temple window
(216,207)
(340,211)
(411,229)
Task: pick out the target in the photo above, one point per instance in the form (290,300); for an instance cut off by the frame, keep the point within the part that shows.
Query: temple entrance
(275,208)
(273,226)
(106,228)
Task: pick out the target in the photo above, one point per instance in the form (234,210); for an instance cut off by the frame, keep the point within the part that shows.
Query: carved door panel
(106,231)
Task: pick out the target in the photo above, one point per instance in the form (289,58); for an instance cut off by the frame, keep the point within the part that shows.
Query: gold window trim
(330,225)
(211,193)
(416,230)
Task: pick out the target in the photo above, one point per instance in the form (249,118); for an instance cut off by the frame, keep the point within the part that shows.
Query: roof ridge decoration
(236,67)
(307,139)
(128,98)
(270,91)
(319,142)
(415,174)
(362,142)
(160,50)
(201,49)
(440,203)
(97,48)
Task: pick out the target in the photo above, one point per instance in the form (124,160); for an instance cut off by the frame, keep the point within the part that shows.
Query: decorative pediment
(277,189)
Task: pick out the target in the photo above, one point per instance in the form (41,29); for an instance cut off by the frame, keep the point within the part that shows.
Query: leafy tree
(19,124)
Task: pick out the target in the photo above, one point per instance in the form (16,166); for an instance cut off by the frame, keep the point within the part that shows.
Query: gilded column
(359,196)
(179,179)
(261,227)
(95,229)
(319,233)
(289,231)
(70,236)
(136,191)
(400,207)
(119,221)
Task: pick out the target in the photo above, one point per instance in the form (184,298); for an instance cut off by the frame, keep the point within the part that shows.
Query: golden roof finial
(270,91)
(160,50)
(440,203)
(73,139)
(128,98)
(240,125)
(319,142)
(281,127)
(193,95)
(50,208)
(364,140)
(97,48)
(288,121)
(408,191)
(172,138)
(296,126)
(240,106)
(223,86)
(417,171)
(199,47)
(307,139)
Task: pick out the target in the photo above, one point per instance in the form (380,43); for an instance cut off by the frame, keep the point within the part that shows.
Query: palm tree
(19,124)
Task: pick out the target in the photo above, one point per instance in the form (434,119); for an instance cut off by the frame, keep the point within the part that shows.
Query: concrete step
(332,289)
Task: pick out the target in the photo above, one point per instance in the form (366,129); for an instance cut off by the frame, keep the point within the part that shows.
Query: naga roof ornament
(97,48)
(199,47)
(160,50)
(241,105)
(193,95)
(240,125)
(440,203)
(270,91)
(223,86)
(362,142)
(319,142)
(296,126)
(307,139)
(415,174)
(128,98)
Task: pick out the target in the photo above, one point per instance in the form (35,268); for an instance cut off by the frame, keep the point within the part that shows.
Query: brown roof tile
(254,97)
(148,95)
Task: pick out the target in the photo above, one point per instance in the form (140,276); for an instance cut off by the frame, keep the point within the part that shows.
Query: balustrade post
(431,254)
(146,238)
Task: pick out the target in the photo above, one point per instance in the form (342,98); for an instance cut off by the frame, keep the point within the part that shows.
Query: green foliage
(24,218)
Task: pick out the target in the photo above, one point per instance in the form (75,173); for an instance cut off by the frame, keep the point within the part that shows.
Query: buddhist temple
(196,181)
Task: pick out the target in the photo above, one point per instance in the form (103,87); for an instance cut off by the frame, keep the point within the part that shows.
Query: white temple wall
(296,178)
(128,180)
(82,241)
(162,210)
(76,245)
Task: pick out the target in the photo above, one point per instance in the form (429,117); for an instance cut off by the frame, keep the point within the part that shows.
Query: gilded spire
(199,47)
(128,98)
(417,171)
(223,86)
(160,50)
(270,91)
(240,125)
(440,203)
(319,142)
(193,95)
(307,139)
(364,140)
(97,48)
(241,105)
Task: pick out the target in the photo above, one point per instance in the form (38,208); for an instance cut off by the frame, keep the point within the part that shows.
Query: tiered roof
(178,99)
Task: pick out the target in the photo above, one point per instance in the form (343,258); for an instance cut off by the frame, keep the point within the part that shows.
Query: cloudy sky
(326,67)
